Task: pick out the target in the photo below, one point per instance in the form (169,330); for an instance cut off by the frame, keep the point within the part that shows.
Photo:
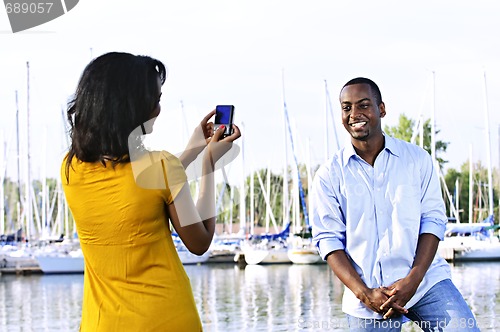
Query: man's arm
(402,290)
(373,298)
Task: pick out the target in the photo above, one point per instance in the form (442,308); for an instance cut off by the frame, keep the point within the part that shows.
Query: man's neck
(369,150)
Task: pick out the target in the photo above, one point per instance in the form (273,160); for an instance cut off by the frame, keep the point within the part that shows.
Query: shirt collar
(390,146)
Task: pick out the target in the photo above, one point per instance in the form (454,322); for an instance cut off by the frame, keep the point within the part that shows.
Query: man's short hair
(373,85)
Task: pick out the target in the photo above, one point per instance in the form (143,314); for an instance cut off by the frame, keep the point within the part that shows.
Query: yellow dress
(134,279)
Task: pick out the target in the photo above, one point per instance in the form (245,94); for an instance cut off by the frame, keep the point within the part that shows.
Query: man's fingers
(393,307)
(388,291)
(396,307)
(388,313)
(387,304)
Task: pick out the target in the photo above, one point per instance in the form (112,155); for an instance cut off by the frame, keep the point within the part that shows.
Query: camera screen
(223,114)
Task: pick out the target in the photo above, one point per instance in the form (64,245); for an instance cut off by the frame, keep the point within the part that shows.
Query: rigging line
(267,201)
(331,114)
(416,126)
(3,167)
(66,127)
(186,130)
(301,190)
(225,183)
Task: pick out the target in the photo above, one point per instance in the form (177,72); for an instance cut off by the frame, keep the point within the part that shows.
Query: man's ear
(381,108)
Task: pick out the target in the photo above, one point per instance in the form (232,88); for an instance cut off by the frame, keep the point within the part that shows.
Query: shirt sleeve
(433,217)
(174,176)
(327,220)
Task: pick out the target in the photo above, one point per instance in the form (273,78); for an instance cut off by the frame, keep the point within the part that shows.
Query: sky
(424,55)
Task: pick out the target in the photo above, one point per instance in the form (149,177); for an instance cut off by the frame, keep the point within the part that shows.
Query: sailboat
(273,248)
(302,249)
(63,257)
(17,253)
(265,248)
(473,241)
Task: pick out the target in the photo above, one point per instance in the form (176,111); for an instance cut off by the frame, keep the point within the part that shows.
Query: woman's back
(134,280)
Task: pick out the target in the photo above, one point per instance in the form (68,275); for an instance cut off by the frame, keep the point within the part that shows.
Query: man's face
(360,113)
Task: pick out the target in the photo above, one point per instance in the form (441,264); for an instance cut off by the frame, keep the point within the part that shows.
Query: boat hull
(61,264)
(468,248)
(304,256)
(188,258)
(262,256)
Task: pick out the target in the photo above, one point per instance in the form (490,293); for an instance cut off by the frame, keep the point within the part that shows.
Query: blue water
(256,298)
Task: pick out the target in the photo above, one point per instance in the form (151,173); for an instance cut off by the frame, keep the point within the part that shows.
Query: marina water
(284,297)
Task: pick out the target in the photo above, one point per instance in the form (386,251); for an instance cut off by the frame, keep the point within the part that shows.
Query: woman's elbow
(199,249)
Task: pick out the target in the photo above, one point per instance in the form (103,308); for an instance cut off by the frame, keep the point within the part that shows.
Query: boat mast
(296,166)
(471,185)
(433,122)
(268,195)
(488,142)
(2,194)
(243,211)
(20,194)
(252,201)
(27,207)
(284,199)
(329,109)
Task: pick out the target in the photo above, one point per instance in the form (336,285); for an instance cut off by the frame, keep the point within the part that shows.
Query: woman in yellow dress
(134,280)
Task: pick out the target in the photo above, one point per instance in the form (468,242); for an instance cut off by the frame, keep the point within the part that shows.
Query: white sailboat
(268,250)
(473,241)
(61,261)
(60,257)
(224,248)
(303,251)
(17,259)
(470,242)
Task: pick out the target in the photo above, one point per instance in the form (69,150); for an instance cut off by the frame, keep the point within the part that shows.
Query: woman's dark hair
(373,85)
(117,92)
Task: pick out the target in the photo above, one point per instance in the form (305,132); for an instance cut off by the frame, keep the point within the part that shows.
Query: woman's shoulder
(154,169)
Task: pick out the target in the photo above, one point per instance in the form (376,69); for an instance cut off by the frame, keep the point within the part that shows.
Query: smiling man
(377,219)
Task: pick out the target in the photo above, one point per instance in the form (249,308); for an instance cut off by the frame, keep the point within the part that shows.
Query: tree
(479,191)
(404,131)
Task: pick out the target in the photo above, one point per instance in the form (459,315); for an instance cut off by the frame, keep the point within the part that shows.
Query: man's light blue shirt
(376,214)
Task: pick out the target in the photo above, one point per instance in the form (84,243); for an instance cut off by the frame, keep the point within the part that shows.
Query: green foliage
(14,204)
(275,196)
(404,131)
(479,190)
(11,193)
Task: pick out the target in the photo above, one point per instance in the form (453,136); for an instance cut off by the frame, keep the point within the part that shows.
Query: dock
(20,271)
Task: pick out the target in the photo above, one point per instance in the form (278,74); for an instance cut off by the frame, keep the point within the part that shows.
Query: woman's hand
(218,145)
(198,141)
